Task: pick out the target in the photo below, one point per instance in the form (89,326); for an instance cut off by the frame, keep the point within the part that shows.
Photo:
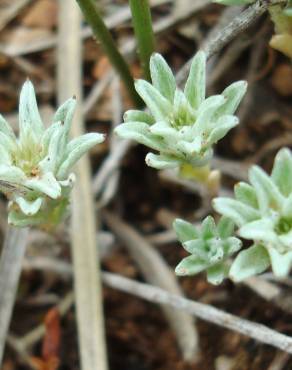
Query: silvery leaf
(5,157)
(76,149)
(206,113)
(163,129)
(281,263)
(65,112)
(282,171)
(160,161)
(184,230)
(238,212)
(208,228)
(7,142)
(6,128)
(195,87)
(55,150)
(138,116)
(46,184)
(197,247)
(140,132)
(11,174)
(224,125)
(232,245)
(246,194)
(225,227)
(159,106)
(29,207)
(268,195)
(217,273)
(162,77)
(233,95)
(262,230)
(249,262)
(190,265)
(29,117)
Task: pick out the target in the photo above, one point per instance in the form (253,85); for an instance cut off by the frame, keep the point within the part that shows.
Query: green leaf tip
(35,169)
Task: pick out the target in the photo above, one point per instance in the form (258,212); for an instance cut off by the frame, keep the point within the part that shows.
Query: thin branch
(221,39)
(11,11)
(157,272)
(87,283)
(202,311)
(10,269)
(113,20)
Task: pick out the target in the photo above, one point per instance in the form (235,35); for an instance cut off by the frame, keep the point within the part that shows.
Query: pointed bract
(162,76)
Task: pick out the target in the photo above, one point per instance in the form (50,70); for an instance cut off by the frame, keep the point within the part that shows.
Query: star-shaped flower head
(210,248)
(182,126)
(263,212)
(35,168)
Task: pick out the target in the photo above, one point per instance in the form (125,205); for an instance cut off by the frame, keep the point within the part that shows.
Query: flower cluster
(182,126)
(262,210)
(35,168)
(210,248)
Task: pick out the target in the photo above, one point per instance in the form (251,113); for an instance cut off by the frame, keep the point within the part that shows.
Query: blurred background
(131,197)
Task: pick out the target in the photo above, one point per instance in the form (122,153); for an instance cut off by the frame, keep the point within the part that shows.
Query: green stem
(102,34)
(142,24)
(202,175)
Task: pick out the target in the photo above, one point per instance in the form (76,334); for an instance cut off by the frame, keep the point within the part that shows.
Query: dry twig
(156,271)
(235,27)
(200,310)
(85,257)
(158,295)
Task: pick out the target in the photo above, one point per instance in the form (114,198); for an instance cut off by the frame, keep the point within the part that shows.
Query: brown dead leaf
(42,14)
(282,79)
(51,343)
(101,67)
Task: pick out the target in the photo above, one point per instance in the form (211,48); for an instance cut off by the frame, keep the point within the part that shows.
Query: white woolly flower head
(210,247)
(182,126)
(262,210)
(35,167)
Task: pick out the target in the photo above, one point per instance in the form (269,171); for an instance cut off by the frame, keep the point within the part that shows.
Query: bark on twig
(202,311)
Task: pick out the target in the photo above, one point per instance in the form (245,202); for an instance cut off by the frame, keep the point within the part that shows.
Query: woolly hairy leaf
(249,262)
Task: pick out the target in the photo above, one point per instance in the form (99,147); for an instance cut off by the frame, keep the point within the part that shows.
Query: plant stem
(87,284)
(102,34)
(142,23)
(10,268)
